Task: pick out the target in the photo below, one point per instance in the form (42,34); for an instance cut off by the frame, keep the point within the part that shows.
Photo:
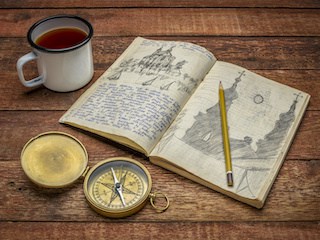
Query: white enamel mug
(61,70)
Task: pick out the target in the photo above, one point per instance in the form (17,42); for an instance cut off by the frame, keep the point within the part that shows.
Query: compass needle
(121,197)
(114,177)
(118,187)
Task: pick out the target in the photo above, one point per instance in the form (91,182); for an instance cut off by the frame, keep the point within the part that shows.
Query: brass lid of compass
(54,159)
(115,187)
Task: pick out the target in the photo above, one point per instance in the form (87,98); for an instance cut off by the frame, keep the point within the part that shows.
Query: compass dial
(117,187)
(105,192)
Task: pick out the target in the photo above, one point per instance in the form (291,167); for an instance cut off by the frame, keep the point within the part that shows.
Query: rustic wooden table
(277,39)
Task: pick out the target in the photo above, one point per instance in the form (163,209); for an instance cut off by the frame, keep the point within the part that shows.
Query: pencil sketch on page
(160,68)
(254,158)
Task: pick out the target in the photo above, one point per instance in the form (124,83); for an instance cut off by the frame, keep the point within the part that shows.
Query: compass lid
(54,159)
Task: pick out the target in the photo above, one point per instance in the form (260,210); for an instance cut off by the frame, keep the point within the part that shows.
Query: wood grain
(157,3)
(277,39)
(288,200)
(176,21)
(151,230)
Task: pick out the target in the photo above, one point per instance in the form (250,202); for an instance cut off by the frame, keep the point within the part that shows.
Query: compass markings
(105,189)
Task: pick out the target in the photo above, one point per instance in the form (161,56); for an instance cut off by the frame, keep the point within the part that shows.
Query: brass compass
(116,187)
(119,187)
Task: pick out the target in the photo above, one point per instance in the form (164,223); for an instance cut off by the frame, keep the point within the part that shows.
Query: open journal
(161,98)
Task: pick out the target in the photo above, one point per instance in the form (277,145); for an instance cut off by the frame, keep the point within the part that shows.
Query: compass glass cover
(117,186)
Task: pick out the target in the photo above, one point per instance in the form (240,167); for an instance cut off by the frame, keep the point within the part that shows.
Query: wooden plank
(17,127)
(176,21)
(293,197)
(157,3)
(152,230)
(278,39)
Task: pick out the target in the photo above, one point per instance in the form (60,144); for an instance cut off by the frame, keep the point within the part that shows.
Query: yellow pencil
(225,135)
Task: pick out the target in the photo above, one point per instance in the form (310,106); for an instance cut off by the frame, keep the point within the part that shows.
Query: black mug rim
(50,50)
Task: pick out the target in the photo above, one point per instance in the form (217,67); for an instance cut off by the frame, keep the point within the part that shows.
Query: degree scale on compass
(115,194)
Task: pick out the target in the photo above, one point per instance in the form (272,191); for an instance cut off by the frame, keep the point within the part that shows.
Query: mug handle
(23,60)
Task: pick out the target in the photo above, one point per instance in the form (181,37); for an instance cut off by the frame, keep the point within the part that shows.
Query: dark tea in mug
(61,46)
(61,38)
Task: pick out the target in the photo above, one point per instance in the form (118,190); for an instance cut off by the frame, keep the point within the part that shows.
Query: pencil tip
(230,179)
(220,85)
